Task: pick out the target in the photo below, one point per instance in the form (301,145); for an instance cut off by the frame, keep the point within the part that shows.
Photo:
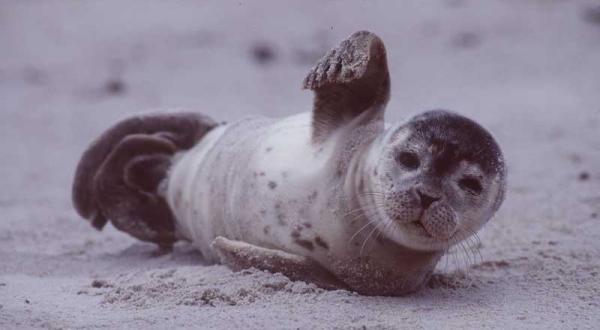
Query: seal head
(435,180)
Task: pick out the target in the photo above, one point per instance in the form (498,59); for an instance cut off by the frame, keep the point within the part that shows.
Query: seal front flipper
(118,177)
(241,255)
(349,81)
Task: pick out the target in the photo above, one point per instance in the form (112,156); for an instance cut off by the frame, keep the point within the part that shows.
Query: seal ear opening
(119,175)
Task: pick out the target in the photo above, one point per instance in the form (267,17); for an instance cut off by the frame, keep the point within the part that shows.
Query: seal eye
(470,184)
(409,160)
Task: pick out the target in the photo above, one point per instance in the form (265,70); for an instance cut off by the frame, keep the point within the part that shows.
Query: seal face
(438,179)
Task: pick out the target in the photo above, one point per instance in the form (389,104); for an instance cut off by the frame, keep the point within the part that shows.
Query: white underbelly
(260,181)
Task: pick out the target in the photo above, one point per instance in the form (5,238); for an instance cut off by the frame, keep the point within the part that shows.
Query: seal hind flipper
(348,81)
(239,255)
(118,176)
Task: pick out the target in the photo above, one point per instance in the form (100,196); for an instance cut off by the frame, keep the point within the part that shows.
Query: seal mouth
(418,225)
(418,229)
(414,234)
(421,228)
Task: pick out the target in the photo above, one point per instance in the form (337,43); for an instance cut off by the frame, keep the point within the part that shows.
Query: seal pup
(333,197)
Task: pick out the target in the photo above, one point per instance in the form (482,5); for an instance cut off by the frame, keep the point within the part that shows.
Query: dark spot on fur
(338,173)
(263,212)
(272,184)
(266,230)
(295,234)
(375,173)
(261,173)
(307,225)
(584,176)
(305,244)
(268,149)
(281,220)
(320,242)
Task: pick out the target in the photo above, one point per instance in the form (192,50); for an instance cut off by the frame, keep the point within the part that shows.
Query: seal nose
(426,200)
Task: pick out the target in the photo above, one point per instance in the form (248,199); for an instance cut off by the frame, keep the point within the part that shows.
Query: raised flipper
(348,81)
(118,177)
(240,255)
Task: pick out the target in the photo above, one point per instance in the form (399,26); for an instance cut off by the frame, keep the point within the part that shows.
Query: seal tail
(119,176)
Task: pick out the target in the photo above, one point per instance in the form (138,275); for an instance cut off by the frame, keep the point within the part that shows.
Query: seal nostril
(426,200)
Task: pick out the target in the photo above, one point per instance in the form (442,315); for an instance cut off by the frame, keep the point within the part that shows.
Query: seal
(333,196)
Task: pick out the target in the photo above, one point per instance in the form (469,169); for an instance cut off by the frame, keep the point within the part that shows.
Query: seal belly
(286,192)
(259,181)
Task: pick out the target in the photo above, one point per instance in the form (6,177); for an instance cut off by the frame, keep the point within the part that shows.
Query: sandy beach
(529,71)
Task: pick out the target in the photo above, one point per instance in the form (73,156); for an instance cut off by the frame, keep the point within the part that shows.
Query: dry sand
(528,70)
